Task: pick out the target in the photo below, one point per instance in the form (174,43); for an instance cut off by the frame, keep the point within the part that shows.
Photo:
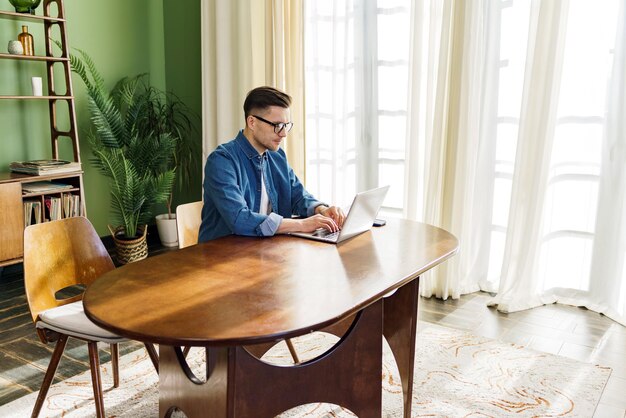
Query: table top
(244,290)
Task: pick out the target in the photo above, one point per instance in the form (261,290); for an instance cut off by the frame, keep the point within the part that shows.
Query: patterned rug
(457,374)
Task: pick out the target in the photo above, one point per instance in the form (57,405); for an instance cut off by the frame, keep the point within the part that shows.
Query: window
(356,63)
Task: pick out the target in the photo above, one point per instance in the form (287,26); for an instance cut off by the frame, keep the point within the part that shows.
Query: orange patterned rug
(457,374)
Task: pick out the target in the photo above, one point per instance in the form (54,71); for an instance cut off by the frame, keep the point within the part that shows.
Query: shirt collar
(246,147)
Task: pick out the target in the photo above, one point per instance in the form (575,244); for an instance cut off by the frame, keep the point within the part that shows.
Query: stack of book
(42,167)
(44,186)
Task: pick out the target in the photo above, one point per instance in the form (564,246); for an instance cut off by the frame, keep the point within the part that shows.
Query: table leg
(180,388)
(399,329)
(349,374)
(240,385)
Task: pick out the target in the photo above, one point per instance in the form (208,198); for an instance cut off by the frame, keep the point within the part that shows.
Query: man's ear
(250,121)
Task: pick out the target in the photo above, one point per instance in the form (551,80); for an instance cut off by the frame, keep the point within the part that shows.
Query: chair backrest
(60,254)
(188,220)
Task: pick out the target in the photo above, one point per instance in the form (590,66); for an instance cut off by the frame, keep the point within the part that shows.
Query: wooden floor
(572,332)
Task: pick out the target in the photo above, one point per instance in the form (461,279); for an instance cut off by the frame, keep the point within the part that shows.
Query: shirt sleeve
(270,225)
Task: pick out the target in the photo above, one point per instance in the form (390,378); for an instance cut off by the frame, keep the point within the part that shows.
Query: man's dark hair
(263,97)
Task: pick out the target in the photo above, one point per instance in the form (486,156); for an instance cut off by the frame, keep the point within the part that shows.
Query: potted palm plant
(137,162)
(165,113)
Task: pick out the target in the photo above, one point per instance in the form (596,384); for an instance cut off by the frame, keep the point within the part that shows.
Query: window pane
(565,263)
(571,204)
(579,144)
(393,36)
(391,135)
(392,87)
(393,175)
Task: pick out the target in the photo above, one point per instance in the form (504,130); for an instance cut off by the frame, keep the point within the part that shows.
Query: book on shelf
(32,212)
(41,167)
(53,208)
(44,186)
(71,205)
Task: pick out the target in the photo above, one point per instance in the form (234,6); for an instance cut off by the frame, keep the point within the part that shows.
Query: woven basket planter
(127,251)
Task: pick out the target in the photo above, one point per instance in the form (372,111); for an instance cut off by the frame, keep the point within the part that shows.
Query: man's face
(262,135)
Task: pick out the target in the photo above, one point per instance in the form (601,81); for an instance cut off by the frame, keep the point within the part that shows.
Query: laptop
(359,219)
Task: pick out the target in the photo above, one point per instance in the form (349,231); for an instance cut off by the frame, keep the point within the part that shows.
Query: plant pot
(129,250)
(168,234)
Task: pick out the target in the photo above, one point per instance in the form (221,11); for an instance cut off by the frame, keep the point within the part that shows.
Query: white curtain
(246,44)
(356,66)
(450,155)
(514,141)
(520,269)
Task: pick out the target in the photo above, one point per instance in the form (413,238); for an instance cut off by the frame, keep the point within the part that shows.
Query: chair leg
(153,355)
(47,379)
(186,350)
(292,350)
(115,355)
(94,365)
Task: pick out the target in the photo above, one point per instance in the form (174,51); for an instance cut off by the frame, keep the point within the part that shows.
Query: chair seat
(70,319)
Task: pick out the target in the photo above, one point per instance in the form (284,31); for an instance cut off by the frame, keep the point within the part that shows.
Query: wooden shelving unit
(11,196)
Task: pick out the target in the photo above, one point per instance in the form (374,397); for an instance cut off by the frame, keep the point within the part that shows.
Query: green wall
(124,38)
(183,71)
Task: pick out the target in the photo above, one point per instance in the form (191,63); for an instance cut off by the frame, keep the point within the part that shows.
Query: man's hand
(309,224)
(333,212)
(314,222)
(330,218)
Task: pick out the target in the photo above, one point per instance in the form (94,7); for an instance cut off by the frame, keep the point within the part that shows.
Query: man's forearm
(289,225)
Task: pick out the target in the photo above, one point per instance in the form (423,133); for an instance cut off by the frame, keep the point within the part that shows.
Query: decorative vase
(27,41)
(25,6)
(15,48)
(168,233)
(129,250)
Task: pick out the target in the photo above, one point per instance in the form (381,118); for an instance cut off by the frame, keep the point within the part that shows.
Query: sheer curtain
(356,77)
(246,44)
(513,138)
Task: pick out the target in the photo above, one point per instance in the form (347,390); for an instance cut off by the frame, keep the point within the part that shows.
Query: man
(250,189)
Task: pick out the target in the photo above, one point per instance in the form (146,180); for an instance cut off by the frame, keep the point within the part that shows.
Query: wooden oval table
(240,291)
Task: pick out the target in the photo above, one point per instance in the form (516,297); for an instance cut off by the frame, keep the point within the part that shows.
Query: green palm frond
(107,120)
(152,153)
(98,81)
(158,190)
(140,138)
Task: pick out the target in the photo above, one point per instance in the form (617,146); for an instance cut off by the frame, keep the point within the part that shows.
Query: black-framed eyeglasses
(278,127)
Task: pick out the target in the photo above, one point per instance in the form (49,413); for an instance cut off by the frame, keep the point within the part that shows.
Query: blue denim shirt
(232,191)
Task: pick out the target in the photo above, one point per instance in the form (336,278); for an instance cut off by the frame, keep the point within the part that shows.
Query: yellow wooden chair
(68,254)
(188,219)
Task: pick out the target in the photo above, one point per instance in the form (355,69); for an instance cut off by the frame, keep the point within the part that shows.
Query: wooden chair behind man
(63,257)
(188,220)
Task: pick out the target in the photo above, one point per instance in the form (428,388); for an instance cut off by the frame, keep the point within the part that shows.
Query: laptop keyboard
(325,233)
